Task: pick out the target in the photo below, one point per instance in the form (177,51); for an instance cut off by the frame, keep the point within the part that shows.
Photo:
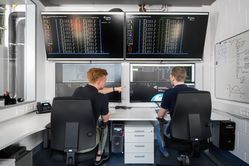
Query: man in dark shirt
(97,78)
(177,79)
(99,100)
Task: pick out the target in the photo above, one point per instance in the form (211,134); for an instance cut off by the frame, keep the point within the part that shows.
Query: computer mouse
(20,99)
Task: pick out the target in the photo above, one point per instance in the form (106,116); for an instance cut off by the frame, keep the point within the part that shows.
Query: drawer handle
(139,146)
(136,135)
(139,131)
(139,156)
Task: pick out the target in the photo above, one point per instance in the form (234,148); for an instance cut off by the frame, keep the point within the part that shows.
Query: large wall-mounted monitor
(69,76)
(148,81)
(84,35)
(165,35)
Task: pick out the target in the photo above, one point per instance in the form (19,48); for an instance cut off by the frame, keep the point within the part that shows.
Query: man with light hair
(177,78)
(97,78)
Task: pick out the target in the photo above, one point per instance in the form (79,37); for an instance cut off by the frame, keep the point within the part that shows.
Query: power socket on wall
(244,112)
(30,107)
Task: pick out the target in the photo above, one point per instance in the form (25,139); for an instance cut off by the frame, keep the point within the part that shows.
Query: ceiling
(150,2)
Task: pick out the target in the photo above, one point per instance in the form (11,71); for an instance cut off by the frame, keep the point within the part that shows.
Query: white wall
(228,18)
(29,67)
(40,55)
(3,66)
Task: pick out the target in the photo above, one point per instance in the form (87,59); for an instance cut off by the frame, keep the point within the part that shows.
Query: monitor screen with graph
(149,81)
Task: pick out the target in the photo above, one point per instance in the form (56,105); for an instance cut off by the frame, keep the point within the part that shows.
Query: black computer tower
(223,134)
(117,137)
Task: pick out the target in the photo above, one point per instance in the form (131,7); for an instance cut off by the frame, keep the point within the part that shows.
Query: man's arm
(105,118)
(105,114)
(106,90)
(161,113)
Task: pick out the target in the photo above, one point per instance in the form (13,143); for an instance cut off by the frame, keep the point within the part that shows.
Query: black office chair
(73,129)
(190,124)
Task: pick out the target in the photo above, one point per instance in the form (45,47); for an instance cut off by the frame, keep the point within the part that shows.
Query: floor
(41,158)
(118,160)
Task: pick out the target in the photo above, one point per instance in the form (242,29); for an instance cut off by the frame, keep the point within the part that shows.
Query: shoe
(180,158)
(105,157)
(102,159)
(184,159)
(164,152)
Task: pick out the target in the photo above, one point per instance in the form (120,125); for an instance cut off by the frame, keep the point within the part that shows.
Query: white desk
(133,114)
(147,114)
(216,116)
(16,129)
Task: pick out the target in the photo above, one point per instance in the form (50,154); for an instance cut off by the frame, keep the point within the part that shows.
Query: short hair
(179,73)
(94,74)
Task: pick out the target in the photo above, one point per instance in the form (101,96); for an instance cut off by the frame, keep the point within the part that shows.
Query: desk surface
(16,129)
(133,114)
(147,114)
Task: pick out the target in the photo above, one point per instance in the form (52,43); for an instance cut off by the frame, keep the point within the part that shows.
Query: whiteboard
(232,68)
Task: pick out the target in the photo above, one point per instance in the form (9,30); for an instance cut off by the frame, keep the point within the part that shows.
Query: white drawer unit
(139,137)
(139,158)
(139,147)
(139,143)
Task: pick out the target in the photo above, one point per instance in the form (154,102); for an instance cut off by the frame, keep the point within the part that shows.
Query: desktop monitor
(165,35)
(83,35)
(149,81)
(69,76)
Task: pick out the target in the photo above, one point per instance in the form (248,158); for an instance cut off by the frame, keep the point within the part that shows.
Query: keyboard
(122,107)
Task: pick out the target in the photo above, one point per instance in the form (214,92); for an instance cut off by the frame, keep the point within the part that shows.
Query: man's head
(178,75)
(97,77)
